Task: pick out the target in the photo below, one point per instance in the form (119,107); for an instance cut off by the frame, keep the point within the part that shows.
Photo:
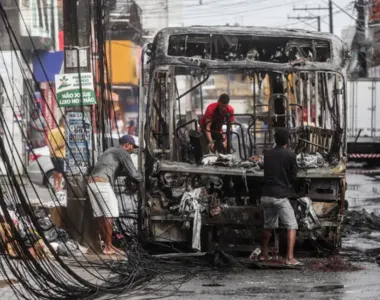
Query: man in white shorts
(280,173)
(102,196)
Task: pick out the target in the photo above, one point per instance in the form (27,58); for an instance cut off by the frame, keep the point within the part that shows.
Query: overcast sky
(273,13)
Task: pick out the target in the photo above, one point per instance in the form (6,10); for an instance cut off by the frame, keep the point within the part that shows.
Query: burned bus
(275,78)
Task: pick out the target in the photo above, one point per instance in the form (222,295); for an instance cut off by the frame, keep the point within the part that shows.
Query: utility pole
(329,8)
(308,18)
(331,16)
(167,12)
(359,39)
(77,31)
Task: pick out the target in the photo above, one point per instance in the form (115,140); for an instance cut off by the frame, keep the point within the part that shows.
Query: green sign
(74,88)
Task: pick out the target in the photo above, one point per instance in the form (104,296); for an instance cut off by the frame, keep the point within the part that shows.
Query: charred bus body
(297,81)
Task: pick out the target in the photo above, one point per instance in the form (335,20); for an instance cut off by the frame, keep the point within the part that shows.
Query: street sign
(75,89)
(79,140)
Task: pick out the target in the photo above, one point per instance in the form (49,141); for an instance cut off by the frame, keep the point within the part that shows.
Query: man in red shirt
(213,120)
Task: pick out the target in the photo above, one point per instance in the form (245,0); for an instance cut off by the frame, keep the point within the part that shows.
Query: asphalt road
(277,285)
(363,193)
(307,283)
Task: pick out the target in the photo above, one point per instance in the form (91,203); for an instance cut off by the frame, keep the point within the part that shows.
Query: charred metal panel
(165,231)
(181,167)
(239,233)
(203,36)
(240,48)
(324,189)
(237,215)
(303,73)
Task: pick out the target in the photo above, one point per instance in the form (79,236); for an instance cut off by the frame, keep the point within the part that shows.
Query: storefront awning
(46,65)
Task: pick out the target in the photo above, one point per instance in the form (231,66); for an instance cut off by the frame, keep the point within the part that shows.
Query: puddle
(328,288)
(213,285)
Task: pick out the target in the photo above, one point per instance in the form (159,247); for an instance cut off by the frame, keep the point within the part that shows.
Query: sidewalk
(6,292)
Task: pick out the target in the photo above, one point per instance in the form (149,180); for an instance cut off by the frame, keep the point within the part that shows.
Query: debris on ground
(360,222)
(306,214)
(255,254)
(333,264)
(69,248)
(311,161)
(213,285)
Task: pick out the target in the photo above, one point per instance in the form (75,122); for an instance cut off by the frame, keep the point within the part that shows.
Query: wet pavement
(359,248)
(363,190)
(279,284)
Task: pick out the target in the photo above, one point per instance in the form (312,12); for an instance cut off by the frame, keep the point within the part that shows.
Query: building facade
(374,30)
(123,55)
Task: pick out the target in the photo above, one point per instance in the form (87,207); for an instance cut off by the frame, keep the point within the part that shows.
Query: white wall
(155,16)
(30,20)
(363,109)
(13,86)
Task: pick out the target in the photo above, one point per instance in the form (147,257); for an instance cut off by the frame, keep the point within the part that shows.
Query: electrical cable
(50,279)
(54,277)
(70,150)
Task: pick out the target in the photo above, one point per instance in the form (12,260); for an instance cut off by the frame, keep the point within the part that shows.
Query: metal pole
(319,23)
(79,220)
(141,158)
(330,9)
(373,110)
(331,16)
(167,12)
(317,123)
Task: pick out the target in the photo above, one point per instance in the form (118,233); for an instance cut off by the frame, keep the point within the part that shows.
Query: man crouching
(102,196)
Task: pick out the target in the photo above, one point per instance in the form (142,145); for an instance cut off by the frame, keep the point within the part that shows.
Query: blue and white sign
(79,140)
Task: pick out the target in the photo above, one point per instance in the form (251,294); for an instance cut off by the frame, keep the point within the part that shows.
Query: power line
(244,10)
(322,19)
(295,23)
(341,9)
(329,8)
(233,4)
(308,18)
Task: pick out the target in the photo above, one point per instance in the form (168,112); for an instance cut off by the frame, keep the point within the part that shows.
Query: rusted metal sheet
(324,209)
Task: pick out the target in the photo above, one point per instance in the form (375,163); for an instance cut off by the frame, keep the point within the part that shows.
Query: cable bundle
(29,240)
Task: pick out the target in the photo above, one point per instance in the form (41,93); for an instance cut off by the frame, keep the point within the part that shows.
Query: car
(40,168)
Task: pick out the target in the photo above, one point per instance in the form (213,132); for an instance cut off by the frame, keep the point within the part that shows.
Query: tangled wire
(37,251)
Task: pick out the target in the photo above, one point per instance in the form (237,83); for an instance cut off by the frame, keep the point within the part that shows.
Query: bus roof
(249,30)
(272,39)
